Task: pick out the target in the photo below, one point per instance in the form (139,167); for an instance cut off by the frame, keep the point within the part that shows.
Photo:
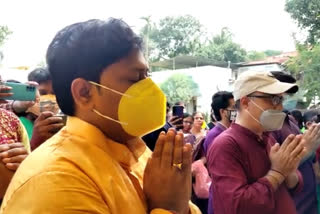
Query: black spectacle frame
(275,99)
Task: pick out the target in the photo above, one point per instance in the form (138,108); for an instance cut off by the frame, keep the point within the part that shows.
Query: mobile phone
(21,92)
(177,111)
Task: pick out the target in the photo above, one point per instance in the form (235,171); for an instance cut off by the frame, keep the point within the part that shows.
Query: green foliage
(307,14)
(272,52)
(222,48)
(306,68)
(180,87)
(172,36)
(4,33)
(255,56)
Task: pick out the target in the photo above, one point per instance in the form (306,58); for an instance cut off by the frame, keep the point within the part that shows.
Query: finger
(5,88)
(287,141)
(10,145)
(294,143)
(51,120)
(32,83)
(167,152)
(4,95)
(178,149)
(177,120)
(53,128)
(13,166)
(13,152)
(275,148)
(297,151)
(187,158)
(157,153)
(312,131)
(15,159)
(44,115)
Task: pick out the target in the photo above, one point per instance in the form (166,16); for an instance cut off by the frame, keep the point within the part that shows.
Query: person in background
(308,117)
(11,156)
(187,126)
(306,200)
(297,115)
(187,123)
(197,129)
(251,173)
(213,121)
(171,122)
(224,111)
(98,162)
(14,147)
(40,119)
(43,78)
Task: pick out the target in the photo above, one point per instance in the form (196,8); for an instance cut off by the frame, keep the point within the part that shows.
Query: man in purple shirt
(251,173)
(224,111)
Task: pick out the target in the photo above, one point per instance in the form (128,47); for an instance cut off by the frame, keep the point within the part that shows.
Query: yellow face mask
(142,108)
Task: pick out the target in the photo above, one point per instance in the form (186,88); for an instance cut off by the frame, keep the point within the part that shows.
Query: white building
(210,80)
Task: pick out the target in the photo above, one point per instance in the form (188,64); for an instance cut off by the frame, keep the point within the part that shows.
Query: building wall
(209,78)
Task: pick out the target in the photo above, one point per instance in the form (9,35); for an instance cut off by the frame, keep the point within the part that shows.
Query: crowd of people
(122,150)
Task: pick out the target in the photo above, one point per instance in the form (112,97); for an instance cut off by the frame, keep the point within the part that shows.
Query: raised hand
(167,177)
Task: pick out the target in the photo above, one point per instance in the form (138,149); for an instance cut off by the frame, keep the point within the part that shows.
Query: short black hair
(297,114)
(308,115)
(39,75)
(84,50)
(185,115)
(220,100)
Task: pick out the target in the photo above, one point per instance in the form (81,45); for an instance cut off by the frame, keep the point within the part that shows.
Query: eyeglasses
(275,99)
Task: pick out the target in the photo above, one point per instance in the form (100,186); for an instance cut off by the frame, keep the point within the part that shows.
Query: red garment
(9,127)
(237,162)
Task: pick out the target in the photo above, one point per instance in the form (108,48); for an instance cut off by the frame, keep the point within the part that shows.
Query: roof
(279,59)
(180,62)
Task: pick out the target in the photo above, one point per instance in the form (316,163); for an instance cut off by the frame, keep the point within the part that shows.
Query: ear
(221,111)
(81,91)
(309,124)
(244,102)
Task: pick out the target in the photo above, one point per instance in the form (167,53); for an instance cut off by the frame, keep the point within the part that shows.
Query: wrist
(275,179)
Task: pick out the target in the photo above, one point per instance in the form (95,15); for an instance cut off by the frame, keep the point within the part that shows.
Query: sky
(256,24)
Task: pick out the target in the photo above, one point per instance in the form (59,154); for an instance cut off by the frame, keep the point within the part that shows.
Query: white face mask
(270,120)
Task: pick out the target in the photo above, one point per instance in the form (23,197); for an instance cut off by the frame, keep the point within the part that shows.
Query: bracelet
(273,177)
(284,177)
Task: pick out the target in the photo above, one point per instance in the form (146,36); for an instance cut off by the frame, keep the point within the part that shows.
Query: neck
(196,129)
(225,123)
(250,124)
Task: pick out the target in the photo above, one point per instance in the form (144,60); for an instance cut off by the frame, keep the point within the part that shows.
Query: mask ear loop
(109,118)
(105,87)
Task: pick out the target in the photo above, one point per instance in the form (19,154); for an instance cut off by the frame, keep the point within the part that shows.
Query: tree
(174,36)
(255,55)
(307,14)
(180,87)
(4,33)
(272,52)
(306,68)
(222,48)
